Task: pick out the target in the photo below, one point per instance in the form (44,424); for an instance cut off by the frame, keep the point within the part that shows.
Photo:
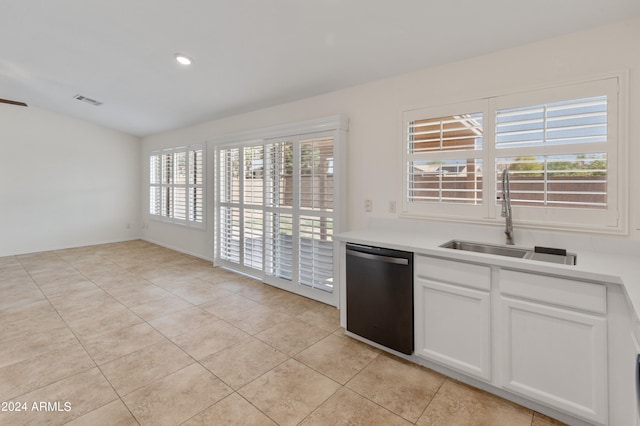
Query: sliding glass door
(276,211)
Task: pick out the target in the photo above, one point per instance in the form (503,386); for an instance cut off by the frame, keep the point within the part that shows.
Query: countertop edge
(593,267)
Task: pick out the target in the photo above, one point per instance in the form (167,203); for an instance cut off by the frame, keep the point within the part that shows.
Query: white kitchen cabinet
(554,342)
(453,315)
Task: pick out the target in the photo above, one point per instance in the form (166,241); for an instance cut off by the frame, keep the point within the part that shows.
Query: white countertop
(601,259)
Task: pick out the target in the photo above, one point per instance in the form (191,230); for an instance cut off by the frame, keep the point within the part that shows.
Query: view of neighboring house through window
(560,146)
(275,210)
(176,185)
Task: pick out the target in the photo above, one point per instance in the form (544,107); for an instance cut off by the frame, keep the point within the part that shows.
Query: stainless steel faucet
(506,206)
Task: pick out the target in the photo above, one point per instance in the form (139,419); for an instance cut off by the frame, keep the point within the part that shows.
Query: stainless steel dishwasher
(380,296)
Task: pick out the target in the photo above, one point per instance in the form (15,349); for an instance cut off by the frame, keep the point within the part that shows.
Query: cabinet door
(453,327)
(557,357)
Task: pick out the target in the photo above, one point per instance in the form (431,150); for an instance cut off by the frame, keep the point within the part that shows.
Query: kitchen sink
(486,248)
(542,254)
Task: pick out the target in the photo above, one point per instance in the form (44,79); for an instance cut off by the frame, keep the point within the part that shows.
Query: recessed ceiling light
(183,59)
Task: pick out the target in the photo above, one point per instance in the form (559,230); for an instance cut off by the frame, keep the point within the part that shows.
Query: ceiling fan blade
(7,101)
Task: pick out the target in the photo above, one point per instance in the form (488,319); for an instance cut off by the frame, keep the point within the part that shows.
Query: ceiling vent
(87,100)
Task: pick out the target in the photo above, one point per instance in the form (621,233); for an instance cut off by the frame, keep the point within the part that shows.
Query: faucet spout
(506,206)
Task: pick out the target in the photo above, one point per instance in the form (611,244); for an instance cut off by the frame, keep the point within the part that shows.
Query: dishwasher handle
(378,258)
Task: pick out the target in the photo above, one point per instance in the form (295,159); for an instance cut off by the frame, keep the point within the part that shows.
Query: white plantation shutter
(253,238)
(561,148)
(229,204)
(278,255)
(176,185)
(252,216)
(316,252)
(444,160)
(454,132)
(196,186)
(560,145)
(576,121)
(279,228)
(276,211)
(316,174)
(567,143)
(180,189)
(155,165)
(230,234)
(315,227)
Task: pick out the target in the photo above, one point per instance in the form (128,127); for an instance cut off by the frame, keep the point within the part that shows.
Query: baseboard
(178,249)
(67,247)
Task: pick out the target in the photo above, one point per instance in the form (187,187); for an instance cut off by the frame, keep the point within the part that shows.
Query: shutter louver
(279,245)
(449,133)
(253,238)
(316,252)
(579,121)
(230,234)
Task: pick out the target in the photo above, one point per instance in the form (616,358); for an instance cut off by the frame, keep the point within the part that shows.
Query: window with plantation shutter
(176,185)
(560,146)
(562,149)
(276,210)
(445,159)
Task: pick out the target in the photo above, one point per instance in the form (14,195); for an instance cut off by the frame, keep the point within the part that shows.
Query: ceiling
(249,54)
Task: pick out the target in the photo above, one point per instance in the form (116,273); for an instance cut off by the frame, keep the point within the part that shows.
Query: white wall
(374,166)
(64,182)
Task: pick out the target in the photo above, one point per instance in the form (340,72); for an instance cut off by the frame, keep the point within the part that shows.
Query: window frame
(611,220)
(188,221)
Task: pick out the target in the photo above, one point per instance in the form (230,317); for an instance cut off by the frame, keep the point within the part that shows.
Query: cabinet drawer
(449,271)
(558,291)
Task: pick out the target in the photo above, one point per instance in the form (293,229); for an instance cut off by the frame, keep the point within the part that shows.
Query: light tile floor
(133,333)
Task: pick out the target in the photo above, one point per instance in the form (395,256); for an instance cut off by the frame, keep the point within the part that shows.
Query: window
(551,176)
(444,158)
(560,146)
(276,210)
(176,190)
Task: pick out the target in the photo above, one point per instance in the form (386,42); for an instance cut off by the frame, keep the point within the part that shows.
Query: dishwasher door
(380,296)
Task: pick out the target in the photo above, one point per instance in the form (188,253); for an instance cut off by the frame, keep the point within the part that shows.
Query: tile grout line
(121,397)
(97,366)
(432,398)
(195,361)
(75,336)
